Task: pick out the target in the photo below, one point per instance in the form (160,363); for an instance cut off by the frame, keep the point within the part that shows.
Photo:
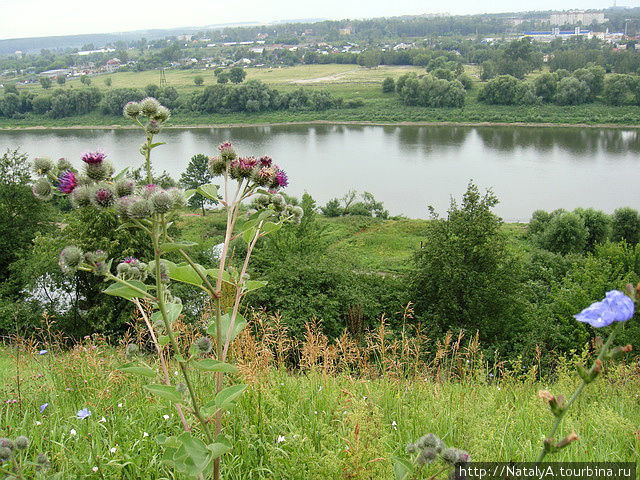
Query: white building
(575,17)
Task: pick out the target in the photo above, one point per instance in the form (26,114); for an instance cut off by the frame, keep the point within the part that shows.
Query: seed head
(5,453)
(42,189)
(162,115)
(125,187)
(149,106)
(6,443)
(161,201)
(70,259)
(204,344)
(64,164)
(217,165)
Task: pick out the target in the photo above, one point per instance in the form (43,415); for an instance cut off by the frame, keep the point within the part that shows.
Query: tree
(45,82)
(617,89)
(388,85)
(223,77)
(502,90)
(572,91)
(626,225)
(61,79)
(85,80)
(198,80)
(370,58)
(465,276)
(197,173)
(546,86)
(237,75)
(598,226)
(565,233)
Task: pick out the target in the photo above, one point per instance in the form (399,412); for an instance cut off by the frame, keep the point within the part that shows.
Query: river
(406,167)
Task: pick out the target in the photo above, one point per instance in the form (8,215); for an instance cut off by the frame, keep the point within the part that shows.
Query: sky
(38,18)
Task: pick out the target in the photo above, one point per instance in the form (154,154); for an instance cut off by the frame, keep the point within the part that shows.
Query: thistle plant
(429,449)
(197,451)
(616,308)
(14,463)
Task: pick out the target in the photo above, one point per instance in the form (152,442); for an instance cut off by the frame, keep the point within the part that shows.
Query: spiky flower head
(153,127)
(177,197)
(43,462)
(428,455)
(227,151)
(149,106)
(265,161)
(42,189)
(103,196)
(281,179)
(98,171)
(131,350)
(6,443)
(42,165)
(278,200)
(161,201)
(139,208)
(131,110)
(22,442)
(217,165)
(64,164)
(98,260)
(122,205)
(147,190)
(67,182)
(162,115)
(264,176)
(298,213)
(125,187)
(203,344)
(81,196)
(431,441)
(70,259)
(242,167)
(455,456)
(5,453)
(93,158)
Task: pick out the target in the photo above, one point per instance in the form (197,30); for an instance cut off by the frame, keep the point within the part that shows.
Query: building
(547,36)
(577,17)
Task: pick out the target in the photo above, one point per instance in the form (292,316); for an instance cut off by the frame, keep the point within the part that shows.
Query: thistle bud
(226,151)
(64,164)
(181,387)
(98,171)
(217,165)
(42,189)
(161,202)
(6,443)
(455,456)
(162,115)
(140,208)
(572,437)
(98,260)
(22,442)
(298,213)
(147,190)
(42,165)
(103,196)
(43,462)
(177,197)
(122,205)
(70,259)
(5,453)
(153,127)
(131,350)
(203,344)
(426,456)
(278,200)
(149,106)
(125,187)
(618,352)
(131,110)
(431,441)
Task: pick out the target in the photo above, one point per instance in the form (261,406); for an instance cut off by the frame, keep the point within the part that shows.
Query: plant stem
(576,394)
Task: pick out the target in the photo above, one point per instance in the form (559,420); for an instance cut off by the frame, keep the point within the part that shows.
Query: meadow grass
(312,422)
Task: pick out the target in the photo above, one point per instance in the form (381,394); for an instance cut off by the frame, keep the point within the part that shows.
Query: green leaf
(137,369)
(186,274)
(163,340)
(254,285)
(209,191)
(121,174)
(154,145)
(212,365)
(402,468)
(248,235)
(189,193)
(173,312)
(271,227)
(165,391)
(226,397)
(120,290)
(218,449)
(173,246)
(213,273)
(225,321)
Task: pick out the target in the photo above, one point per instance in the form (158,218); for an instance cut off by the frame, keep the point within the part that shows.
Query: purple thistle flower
(282,179)
(615,307)
(265,161)
(43,407)
(67,182)
(82,414)
(104,197)
(130,260)
(93,158)
(225,146)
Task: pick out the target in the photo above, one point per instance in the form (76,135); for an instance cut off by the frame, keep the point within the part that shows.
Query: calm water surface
(407,167)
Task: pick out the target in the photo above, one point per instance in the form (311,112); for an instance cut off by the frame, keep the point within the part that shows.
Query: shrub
(626,225)
(565,233)
(388,85)
(502,90)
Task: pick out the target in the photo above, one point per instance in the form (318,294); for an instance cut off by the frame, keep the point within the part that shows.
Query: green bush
(626,225)
(565,233)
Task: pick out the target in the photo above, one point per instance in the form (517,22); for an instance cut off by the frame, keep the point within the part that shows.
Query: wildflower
(84,413)
(73,431)
(455,456)
(217,165)
(43,407)
(70,259)
(430,441)
(93,158)
(22,442)
(426,456)
(119,405)
(81,196)
(67,182)
(38,423)
(226,151)
(166,417)
(140,208)
(162,115)
(11,401)
(280,439)
(145,434)
(94,469)
(204,344)
(98,171)
(394,425)
(5,453)
(103,197)
(265,161)
(161,201)
(112,450)
(64,164)
(153,127)
(124,187)
(102,420)
(43,352)
(42,165)
(6,443)
(131,109)
(281,179)
(42,189)
(615,307)
(43,462)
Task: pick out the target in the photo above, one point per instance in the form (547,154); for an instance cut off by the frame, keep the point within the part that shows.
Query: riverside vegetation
(510,293)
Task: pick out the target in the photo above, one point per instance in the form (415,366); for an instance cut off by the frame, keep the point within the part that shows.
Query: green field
(292,426)
(350,82)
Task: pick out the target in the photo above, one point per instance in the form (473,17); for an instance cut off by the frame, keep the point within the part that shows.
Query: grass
(302,424)
(350,82)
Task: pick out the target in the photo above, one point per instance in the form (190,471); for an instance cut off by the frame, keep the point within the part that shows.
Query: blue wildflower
(43,352)
(82,414)
(615,307)
(43,407)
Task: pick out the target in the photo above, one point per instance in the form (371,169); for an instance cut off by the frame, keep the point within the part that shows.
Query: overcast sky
(37,18)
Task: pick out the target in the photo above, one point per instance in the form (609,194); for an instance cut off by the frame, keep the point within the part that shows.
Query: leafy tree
(370,58)
(223,77)
(198,80)
(626,225)
(565,233)
(196,174)
(85,79)
(388,85)
(546,86)
(594,78)
(10,104)
(237,75)
(502,90)
(11,88)
(617,89)
(598,226)
(115,99)
(465,275)
(61,79)
(108,81)
(45,82)
(572,91)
